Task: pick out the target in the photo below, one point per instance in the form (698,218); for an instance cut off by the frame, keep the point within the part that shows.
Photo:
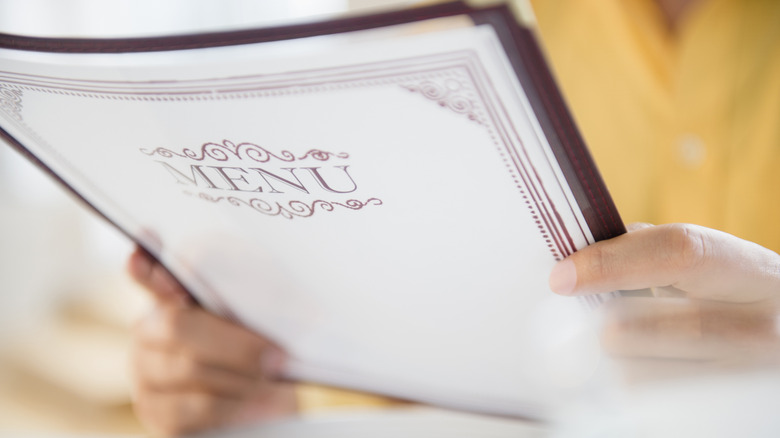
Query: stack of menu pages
(384,196)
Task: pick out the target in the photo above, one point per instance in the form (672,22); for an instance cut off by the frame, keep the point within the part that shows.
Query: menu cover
(384,196)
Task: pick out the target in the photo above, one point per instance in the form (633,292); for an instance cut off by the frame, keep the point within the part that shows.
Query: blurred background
(66,304)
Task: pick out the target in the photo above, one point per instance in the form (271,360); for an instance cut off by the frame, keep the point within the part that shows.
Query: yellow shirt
(684,125)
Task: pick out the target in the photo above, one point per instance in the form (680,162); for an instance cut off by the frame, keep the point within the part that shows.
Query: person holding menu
(678,102)
(677,99)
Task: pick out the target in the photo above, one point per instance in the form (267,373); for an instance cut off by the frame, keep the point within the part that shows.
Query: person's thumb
(703,262)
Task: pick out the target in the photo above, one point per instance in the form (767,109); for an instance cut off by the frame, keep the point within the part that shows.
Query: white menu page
(382,203)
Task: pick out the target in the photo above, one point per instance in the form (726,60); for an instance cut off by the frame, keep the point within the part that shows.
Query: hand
(717,296)
(196,371)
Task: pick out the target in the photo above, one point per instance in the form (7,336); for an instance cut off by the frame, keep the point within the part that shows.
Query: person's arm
(195,371)
(718,296)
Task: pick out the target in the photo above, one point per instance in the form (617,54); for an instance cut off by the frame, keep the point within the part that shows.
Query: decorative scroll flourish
(293,208)
(242,151)
(11,101)
(448,94)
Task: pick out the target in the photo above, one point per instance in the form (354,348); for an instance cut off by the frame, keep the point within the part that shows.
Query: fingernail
(272,361)
(563,278)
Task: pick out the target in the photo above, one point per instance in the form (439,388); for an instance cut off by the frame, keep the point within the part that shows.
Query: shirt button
(691,151)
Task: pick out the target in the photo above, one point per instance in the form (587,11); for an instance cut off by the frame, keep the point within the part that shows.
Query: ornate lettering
(195,170)
(315,172)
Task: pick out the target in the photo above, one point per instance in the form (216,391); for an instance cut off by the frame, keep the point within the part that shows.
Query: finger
(171,371)
(658,328)
(702,262)
(139,265)
(273,401)
(175,414)
(155,278)
(674,328)
(643,258)
(211,340)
